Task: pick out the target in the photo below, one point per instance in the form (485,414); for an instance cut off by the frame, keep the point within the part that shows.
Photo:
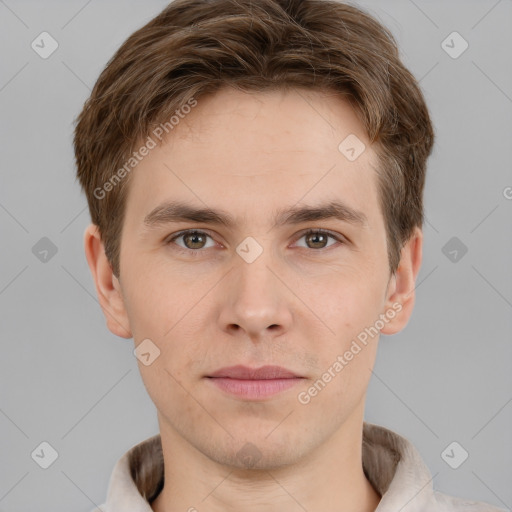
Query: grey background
(65,379)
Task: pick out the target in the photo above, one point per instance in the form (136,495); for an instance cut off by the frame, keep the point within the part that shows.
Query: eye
(318,238)
(193,240)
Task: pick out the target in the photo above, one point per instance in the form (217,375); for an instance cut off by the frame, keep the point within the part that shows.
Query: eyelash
(196,252)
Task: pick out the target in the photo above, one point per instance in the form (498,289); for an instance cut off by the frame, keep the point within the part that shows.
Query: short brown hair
(195,47)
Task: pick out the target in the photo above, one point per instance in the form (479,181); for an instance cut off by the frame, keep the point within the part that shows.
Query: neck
(331,478)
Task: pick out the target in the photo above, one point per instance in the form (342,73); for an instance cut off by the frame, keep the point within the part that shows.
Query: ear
(108,287)
(400,294)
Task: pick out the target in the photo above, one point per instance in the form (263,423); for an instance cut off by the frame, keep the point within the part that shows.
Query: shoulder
(454,504)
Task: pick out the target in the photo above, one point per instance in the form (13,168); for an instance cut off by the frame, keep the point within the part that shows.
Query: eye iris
(194,236)
(316,236)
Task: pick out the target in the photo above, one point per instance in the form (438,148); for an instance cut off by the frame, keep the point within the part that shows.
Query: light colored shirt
(390,462)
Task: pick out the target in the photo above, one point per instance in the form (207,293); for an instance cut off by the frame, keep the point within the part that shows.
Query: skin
(299,305)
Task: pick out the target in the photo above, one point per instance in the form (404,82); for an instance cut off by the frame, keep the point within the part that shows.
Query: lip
(254,383)
(263,373)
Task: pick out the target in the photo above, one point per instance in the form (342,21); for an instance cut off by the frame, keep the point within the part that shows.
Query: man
(254,173)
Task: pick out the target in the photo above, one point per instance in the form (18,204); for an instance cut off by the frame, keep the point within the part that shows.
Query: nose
(256,303)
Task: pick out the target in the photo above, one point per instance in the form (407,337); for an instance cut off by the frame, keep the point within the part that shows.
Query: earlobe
(401,291)
(107,285)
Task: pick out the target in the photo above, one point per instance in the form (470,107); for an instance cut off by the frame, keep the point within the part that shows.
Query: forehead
(239,151)
(299,121)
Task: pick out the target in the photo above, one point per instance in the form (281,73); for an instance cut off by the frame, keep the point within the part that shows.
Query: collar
(390,462)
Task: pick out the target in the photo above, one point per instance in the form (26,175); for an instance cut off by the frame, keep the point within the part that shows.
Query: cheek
(169,390)
(347,363)
(350,309)
(349,305)
(155,303)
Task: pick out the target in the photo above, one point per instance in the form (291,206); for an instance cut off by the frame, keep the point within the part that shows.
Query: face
(272,277)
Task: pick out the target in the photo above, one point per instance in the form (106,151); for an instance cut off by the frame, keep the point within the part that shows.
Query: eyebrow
(175,211)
